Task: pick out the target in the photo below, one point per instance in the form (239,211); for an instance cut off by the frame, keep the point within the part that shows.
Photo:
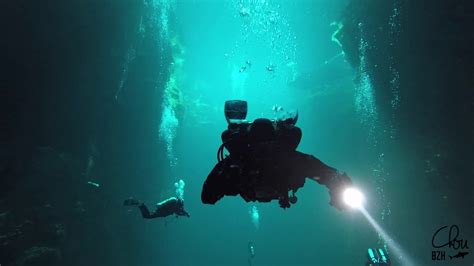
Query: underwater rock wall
(82,91)
(418,56)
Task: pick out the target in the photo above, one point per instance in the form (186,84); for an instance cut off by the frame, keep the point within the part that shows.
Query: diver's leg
(145,212)
(220,182)
(212,189)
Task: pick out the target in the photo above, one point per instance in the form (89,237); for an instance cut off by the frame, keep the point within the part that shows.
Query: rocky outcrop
(418,56)
(72,127)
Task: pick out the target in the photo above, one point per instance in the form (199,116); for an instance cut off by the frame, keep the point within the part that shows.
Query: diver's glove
(337,184)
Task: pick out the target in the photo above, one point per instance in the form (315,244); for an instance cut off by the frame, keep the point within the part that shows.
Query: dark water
(103,100)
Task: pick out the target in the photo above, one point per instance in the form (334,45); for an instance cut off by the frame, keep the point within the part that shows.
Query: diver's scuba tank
(377,257)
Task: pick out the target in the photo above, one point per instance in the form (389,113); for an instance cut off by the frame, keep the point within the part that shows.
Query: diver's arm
(313,168)
(182,212)
(318,171)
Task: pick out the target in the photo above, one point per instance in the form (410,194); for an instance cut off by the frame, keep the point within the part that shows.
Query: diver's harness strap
(220,152)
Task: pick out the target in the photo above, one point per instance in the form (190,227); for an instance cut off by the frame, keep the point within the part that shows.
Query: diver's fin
(130,202)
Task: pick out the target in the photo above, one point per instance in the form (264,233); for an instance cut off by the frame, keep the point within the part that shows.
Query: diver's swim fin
(130,202)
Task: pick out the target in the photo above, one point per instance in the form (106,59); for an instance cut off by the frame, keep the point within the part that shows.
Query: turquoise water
(115,99)
(218,40)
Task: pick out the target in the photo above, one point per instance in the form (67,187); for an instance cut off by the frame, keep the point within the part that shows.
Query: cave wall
(62,62)
(420,62)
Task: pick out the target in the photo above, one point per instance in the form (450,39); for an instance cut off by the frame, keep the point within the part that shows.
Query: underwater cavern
(114,110)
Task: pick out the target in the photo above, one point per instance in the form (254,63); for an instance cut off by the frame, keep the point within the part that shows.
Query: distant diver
(263,163)
(377,257)
(244,12)
(170,206)
(277,108)
(247,65)
(270,68)
(251,250)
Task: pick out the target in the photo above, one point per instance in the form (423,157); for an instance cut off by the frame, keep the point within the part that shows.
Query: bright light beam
(402,256)
(354,198)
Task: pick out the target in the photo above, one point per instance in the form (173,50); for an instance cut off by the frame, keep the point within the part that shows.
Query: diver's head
(262,130)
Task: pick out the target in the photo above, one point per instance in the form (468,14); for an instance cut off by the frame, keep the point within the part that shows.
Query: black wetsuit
(165,208)
(264,165)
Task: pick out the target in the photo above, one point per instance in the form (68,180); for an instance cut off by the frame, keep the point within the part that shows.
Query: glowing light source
(353,197)
(402,257)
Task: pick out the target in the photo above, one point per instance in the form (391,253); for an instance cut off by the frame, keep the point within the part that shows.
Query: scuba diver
(170,206)
(263,163)
(251,249)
